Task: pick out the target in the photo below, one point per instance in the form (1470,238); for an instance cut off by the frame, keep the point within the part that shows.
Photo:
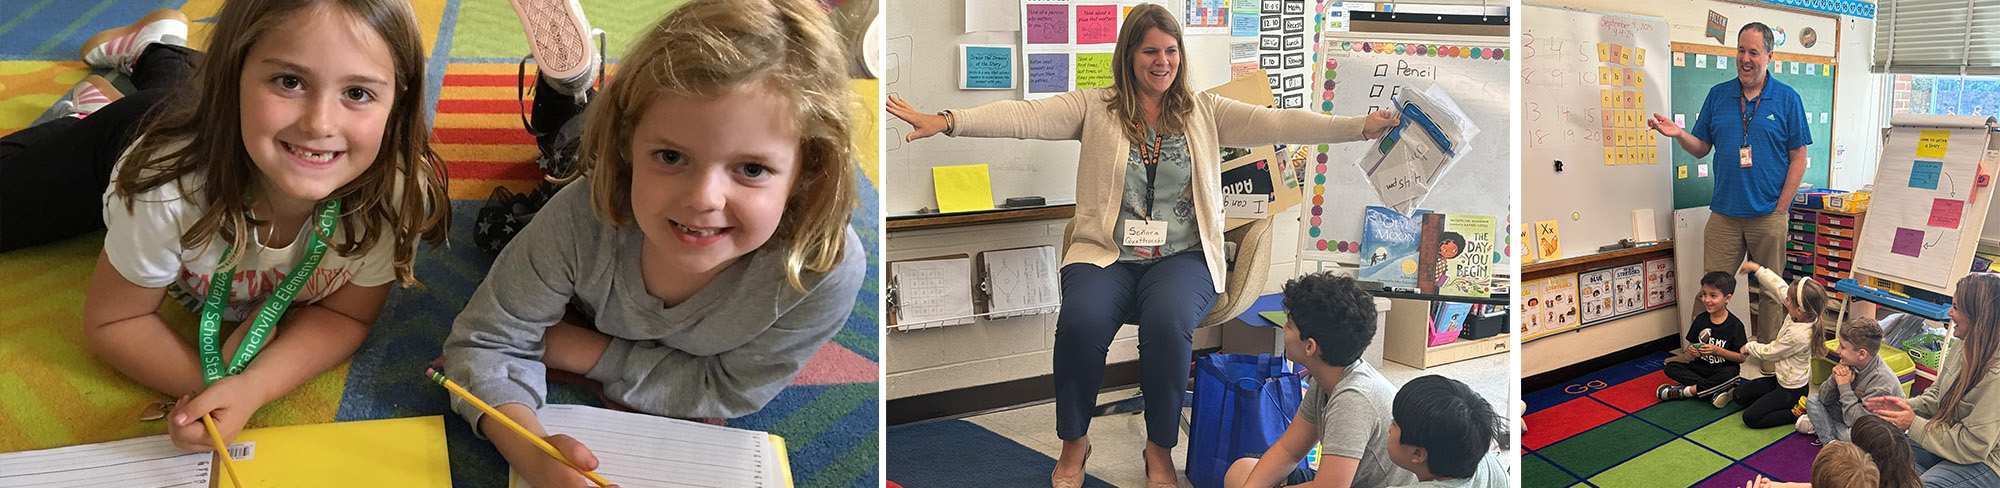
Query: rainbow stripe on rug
(1609,429)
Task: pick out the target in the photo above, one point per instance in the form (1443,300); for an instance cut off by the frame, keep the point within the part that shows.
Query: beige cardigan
(1085,116)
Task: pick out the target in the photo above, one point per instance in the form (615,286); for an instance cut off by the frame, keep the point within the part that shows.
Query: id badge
(1743,156)
(1145,232)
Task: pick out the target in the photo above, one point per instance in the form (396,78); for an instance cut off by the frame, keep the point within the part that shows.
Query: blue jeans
(1167,297)
(1828,425)
(1939,473)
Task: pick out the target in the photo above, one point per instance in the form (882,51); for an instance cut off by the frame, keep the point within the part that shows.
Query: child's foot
(1722,398)
(1804,425)
(117,48)
(1674,392)
(89,95)
(559,37)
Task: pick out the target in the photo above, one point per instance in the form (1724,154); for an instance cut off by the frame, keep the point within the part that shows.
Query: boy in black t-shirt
(1709,365)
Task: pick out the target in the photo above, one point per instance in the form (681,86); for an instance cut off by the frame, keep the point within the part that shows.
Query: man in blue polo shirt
(1757,127)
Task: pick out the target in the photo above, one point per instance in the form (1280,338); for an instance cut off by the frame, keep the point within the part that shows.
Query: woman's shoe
(1157,484)
(1073,481)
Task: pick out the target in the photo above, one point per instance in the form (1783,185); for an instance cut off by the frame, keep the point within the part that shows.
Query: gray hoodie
(1870,381)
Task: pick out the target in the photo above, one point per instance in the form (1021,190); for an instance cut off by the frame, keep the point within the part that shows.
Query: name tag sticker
(1145,232)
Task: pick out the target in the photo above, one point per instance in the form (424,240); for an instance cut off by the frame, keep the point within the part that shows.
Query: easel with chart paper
(1931,201)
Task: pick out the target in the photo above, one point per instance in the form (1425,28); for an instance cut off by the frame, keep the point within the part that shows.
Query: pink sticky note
(1909,242)
(1096,24)
(1047,24)
(1945,213)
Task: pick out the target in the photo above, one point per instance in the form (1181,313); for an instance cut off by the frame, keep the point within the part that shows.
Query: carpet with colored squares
(53,392)
(1609,429)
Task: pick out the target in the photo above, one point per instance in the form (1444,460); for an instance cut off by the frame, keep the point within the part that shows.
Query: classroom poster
(1559,306)
(1628,284)
(1067,44)
(1594,295)
(1243,18)
(983,67)
(1530,314)
(1924,187)
(1207,17)
(1281,49)
(1659,283)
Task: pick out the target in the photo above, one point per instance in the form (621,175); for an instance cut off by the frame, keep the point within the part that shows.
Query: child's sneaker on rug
(1804,426)
(1728,393)
(559,38)
(1673,392)
(89,95)
(117,48)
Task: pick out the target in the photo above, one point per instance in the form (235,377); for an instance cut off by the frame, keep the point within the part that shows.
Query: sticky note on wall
(1932,143)
(1909,242)
(965,188)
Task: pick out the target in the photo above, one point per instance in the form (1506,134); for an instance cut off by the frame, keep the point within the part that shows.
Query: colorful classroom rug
(1610,430)
(55,393)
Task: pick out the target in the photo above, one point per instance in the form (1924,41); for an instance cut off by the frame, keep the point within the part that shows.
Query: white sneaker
(1804,425)
(89,95)
(118,48)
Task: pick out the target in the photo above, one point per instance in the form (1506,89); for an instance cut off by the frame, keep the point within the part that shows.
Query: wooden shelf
(961,219)
(1406,338)
(1536,271)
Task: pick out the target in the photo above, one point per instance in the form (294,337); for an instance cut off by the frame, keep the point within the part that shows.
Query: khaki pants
(1725,242)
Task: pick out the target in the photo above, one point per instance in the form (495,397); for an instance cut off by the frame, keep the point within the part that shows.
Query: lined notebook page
(641,451)
(145,462)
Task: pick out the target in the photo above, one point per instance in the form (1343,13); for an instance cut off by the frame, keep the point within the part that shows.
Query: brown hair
(1886,444)
(1978,298)
(1176,103)
(197,130)
(1863,332)
(1809,296)
(708,47)
(1842,465)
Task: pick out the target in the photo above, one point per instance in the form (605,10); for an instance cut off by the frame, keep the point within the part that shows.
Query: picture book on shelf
(1389,246)
(1457,254)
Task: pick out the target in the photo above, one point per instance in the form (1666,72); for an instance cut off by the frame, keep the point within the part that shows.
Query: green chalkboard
(1694,74)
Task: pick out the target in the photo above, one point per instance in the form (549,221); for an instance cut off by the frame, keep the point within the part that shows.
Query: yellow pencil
(502,418)
(215,436)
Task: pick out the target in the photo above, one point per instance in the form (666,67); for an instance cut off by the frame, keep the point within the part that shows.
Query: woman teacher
(1147,239)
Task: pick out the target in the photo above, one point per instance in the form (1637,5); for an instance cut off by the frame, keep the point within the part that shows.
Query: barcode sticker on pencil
(242,451)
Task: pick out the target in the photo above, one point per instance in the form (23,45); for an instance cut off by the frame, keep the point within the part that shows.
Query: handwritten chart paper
(985,67)
(1924,187)
(145,462)
(1066,45)
(1047,23)
(1093,70)
(644,451)
(1096,24)
(1048,73)
(932,293)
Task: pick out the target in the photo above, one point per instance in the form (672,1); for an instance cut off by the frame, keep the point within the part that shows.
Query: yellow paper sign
(1604,98)
(1547,244)
(1641,58)
(1610,156)
(962,188)
(1681,172)
(1604,75)
(1603,53)
(1625,56)
(1639,79)
(1932,143)
(1093,70)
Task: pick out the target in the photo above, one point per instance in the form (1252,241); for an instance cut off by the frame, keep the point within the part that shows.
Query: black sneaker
(506,213)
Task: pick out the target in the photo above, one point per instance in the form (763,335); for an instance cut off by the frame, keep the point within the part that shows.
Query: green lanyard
(267,316)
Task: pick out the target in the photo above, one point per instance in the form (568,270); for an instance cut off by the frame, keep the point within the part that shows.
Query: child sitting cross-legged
(1860,375)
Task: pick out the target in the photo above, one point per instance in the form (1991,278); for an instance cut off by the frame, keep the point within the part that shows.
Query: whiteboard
(920,57)
(1561,110)
(1363,76)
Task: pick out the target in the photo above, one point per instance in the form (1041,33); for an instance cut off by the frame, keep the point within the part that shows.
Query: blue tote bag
(1242,404)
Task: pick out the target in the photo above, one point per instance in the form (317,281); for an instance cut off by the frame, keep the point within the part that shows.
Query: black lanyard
(1749,114)
(1150,158)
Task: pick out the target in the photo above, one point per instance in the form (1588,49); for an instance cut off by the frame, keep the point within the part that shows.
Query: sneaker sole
(100,38)
(105,87)
(557,35)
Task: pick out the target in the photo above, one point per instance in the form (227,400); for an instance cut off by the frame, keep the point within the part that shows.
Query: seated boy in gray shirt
(1346,411)
(1861,375)
(1444,432)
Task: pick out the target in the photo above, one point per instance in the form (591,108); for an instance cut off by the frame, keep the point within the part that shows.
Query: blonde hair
(1843,465)
(198,128)
(708,47)
(1176,104)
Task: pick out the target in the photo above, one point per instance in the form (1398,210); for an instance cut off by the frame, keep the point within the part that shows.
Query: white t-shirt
(144,245)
